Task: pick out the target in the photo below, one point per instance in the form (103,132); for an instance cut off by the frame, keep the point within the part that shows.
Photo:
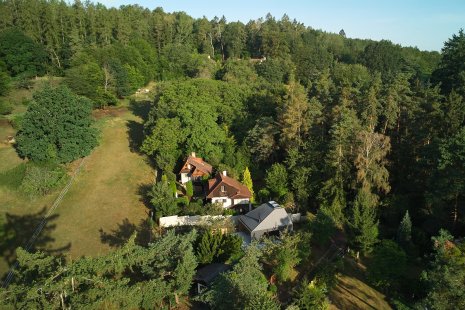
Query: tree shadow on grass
(140,108)
(143,191)
(19,231)
(136,135)
(119,236)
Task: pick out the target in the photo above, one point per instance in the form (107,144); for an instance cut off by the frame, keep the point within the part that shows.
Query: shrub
(388,265)
(189,189)
(40,180)
(17,121)
(213,209)
(323,226)
(5,107)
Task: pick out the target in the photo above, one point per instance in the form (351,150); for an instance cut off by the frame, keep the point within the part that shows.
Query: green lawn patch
(12,178)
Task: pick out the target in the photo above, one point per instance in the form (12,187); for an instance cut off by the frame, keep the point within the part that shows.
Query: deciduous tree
(57,127)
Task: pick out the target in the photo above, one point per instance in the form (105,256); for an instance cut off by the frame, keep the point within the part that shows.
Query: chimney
(193,154)
(225,173)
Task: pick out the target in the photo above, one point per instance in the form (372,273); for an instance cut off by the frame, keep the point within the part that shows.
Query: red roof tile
(241,191)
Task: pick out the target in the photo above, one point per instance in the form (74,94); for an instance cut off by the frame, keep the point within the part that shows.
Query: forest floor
(104,205)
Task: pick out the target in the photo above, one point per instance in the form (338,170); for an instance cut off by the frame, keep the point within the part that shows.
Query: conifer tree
(189,189)
(247,181)
(364,224)
(210,247)
(404,233)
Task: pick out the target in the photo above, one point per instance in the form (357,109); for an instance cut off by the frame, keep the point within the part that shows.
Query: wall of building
(223,201)
(170,221)
(185,178)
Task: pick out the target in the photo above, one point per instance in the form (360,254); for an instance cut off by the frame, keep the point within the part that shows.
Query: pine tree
(247,181)
(404,233)
(295,119)
(210,247)
(364,224)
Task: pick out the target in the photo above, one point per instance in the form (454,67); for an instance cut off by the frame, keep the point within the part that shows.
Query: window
(222,188)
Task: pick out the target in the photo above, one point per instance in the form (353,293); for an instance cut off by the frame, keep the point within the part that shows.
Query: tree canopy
(57,127)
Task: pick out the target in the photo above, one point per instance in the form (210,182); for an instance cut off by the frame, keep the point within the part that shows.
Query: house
(268,217)
(227,191)
(194,169)
(206,275)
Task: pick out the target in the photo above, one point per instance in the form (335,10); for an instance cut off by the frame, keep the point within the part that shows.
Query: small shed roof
(208,273)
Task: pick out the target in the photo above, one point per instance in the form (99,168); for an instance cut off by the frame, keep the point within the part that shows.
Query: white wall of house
(223,201)
(185,178)
(243,201)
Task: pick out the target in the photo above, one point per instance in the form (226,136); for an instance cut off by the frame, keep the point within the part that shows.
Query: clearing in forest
(104,204)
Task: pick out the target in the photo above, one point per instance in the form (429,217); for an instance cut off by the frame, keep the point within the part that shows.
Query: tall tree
(245,287)
(247,181)
(294,118)
(451,70)
(404,232)
(21,54)
(57,127)
(446,274)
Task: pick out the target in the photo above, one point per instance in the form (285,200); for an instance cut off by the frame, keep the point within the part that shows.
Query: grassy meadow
(103,206)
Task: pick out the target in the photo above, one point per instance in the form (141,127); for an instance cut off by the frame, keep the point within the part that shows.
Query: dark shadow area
(19,231)
(140,108)
(135,135)
(143,192)
(119,236)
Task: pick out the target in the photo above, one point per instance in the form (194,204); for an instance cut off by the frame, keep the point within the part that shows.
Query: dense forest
(368,136)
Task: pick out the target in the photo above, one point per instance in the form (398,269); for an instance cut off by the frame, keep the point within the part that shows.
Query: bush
(5,107)
(193,208)
(24,82)
(388,266)
(40,180)
(323,226)
(16,121)
(213,209)
(189,189)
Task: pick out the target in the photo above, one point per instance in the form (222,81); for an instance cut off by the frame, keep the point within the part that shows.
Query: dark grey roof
(208,273)
(265,217)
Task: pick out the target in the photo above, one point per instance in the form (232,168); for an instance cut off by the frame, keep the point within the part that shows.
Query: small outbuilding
(207,274)
(266,218)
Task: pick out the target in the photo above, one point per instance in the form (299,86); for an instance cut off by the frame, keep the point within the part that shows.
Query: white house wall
(243,201)
(225,202)
(185,178)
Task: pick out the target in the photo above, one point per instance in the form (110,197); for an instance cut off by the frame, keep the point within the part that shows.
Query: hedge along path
(43,222)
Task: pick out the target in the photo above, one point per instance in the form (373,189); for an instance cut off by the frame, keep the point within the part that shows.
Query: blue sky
(425,24)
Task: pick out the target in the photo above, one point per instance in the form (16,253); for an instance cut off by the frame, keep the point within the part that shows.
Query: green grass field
(103,206)
(353,292)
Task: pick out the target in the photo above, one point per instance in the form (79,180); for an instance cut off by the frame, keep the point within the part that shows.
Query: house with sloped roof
(266,218)
(194,169)
(227,191)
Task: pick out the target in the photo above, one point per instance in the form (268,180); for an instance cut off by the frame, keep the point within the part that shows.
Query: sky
(426,24)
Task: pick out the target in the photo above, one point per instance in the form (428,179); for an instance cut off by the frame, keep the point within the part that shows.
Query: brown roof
(241,191)
(199,164)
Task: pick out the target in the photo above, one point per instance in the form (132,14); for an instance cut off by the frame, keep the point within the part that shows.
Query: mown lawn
(103,206)
(352,291)
(105,202)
